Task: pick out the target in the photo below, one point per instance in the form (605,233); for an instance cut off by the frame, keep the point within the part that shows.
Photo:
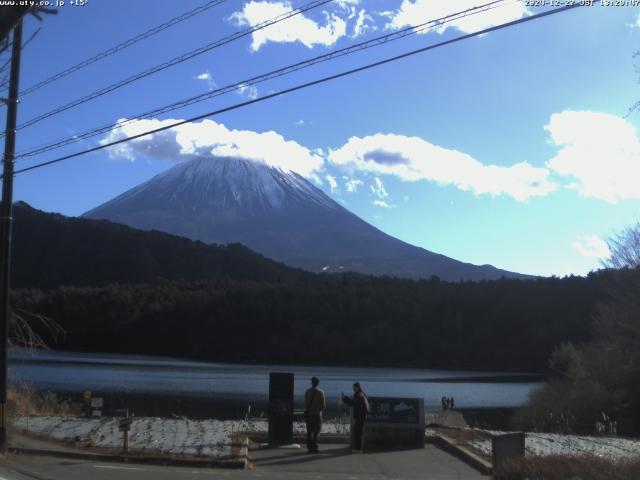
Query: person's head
(357,387)
(315,382)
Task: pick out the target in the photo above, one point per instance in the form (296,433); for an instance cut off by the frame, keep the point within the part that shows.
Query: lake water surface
(127,376)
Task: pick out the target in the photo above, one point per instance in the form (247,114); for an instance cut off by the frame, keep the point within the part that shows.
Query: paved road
(334,462)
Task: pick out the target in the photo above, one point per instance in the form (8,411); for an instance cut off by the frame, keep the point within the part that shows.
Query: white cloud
(333,184)
(599,154)
(364,23)
(381,203)
(635,24)
(249,90)
(298,28)
(352,184)
(347,3)
(208,138)
(378,189)
(592,246)
(299,122)
(414,12)
(414,159)
(208,78)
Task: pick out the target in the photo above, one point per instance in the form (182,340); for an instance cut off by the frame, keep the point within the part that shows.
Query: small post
(125,425)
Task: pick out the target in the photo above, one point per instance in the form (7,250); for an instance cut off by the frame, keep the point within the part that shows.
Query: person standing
(314,405)
(361,408)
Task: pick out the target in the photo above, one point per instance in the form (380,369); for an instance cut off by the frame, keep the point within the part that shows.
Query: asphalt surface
(334,462)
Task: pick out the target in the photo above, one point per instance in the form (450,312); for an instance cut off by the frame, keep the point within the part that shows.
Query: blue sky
(512,148)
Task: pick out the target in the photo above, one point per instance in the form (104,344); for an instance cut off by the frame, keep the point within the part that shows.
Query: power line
(267,76)
(175,61)
(121,46)
(5,82)
(303,86)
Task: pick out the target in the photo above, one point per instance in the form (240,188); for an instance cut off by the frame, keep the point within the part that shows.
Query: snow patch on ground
(557,444)
(175,436)
(214,438)
(67,429)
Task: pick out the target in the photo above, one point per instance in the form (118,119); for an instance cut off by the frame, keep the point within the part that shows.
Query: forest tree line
(507,325)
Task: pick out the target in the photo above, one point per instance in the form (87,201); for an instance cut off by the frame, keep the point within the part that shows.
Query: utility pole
(6,221)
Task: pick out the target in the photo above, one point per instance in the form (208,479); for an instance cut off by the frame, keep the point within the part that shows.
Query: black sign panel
(124,424)
(394,410)
(280,408)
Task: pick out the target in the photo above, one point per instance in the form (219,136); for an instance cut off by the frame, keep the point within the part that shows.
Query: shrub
(580,467)
(23,399)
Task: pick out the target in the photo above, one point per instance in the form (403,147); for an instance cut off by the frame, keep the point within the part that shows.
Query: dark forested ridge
(51,249)
(350,320)
(183,298)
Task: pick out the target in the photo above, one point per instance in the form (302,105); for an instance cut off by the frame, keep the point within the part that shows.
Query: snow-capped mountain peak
(277,213)
(211,183)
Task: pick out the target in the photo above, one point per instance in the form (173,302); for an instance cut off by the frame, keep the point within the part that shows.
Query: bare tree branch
(23,334)
(625,249)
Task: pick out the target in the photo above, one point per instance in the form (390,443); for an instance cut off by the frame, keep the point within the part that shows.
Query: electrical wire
(121,46)
(5,81)
(170,63)
(304,85)
(266,76)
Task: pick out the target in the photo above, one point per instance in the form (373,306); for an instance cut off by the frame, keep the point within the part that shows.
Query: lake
(160,386)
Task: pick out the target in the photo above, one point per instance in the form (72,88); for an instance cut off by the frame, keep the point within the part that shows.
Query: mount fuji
(279,214)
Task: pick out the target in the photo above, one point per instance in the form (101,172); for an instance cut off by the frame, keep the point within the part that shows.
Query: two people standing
(315,404)
(448,403)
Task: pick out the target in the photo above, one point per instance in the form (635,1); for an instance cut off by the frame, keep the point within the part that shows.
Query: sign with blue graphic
(395,410)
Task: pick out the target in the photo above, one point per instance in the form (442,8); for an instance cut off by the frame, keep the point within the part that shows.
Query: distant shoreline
(507,378)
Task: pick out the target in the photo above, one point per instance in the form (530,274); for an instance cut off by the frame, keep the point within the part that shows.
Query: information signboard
(395,410)
(392,423)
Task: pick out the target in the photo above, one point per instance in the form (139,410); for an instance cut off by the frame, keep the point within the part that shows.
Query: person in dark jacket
(314,405)
(360,405)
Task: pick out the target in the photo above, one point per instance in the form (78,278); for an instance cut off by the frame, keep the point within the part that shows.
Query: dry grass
(23,399)
(560,467)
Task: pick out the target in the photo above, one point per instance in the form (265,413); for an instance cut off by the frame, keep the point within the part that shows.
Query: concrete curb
(261,437)
(238,461)
(462,453)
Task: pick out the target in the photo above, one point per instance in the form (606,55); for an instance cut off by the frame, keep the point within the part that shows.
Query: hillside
(51,250)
